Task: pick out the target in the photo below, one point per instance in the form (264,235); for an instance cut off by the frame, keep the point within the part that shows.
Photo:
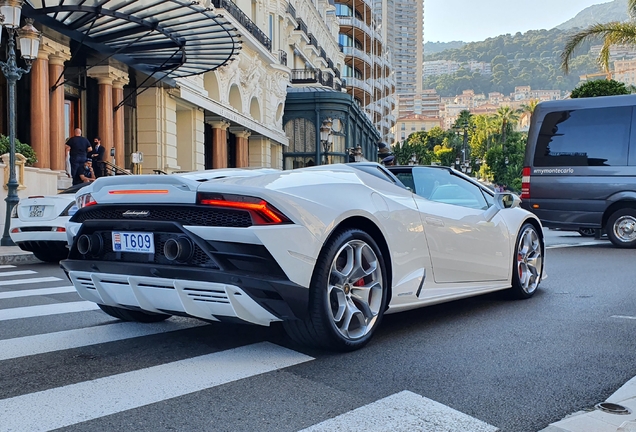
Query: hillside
(531,58)
(436,47)
(601,13)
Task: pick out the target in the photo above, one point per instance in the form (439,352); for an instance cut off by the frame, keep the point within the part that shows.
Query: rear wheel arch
(372,229)
(614,207)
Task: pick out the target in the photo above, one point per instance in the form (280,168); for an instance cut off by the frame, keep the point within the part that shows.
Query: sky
(476,20)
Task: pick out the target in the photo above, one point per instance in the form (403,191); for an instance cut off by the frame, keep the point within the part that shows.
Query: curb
(19,258)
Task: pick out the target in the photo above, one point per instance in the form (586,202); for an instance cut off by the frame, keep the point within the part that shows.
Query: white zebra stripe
(403,411)
(43,310)
(17,273)
(29,281)
(88,400)
(58,341)
(37,292)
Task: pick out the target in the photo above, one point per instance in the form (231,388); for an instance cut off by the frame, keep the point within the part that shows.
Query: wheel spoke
(338,302)
(355,289)
(529,260)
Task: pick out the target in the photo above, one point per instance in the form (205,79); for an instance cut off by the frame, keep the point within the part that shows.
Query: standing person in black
(97,156)
(77,148)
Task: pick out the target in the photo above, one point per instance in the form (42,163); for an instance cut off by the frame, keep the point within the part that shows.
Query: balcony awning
(165,38)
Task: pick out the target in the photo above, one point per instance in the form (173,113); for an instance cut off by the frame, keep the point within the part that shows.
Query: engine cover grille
(184,214)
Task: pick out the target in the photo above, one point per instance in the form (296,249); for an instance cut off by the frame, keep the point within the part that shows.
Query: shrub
(20,147)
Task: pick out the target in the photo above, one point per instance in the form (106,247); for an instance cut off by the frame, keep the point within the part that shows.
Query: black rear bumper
(248,266)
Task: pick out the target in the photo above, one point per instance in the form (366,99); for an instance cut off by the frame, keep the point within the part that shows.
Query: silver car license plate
(136,242)
(36,211)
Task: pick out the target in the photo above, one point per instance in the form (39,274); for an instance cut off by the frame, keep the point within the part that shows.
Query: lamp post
(326,137)
(465,163)
(29,44)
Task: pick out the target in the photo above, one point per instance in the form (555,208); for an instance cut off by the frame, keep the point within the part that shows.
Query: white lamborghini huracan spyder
(327,250)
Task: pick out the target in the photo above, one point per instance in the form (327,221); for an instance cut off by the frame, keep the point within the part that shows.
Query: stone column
(219,143)
(56,115)
(118,121)
(242,148)
(105,114)
(40,129)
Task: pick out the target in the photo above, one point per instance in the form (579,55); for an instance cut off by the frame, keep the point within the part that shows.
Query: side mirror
(507,200)
(503,200)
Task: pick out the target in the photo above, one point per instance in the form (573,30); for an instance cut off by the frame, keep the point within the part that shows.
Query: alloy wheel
(625,228)
(355,289)
(529,260)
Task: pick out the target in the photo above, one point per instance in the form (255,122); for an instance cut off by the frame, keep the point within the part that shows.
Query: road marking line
(17,273)
(69,339)
(88,400)
(29,281)
(624,317)
(404,411)
(6,266)
(559,246)
(37,292)
(43,310)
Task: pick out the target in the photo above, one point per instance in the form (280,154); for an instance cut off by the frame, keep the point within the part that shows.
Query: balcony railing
(282,57)
(291,10)
(312,76)
(302,26)
(357,53)
(244,20)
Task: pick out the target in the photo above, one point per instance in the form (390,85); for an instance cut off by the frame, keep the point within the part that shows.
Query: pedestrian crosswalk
(101,369)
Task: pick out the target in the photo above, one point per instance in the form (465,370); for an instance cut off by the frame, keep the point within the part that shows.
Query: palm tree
(530,106)
(613,33)
(464,118)
(507,118)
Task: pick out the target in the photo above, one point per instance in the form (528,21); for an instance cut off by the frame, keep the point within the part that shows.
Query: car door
(464,245)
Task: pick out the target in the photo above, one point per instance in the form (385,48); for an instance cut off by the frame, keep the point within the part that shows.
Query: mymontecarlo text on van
(580,166)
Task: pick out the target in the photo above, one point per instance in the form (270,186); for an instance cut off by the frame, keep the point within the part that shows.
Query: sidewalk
(15,255)
(600,421)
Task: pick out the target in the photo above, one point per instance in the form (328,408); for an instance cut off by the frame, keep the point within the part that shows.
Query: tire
(347,295)
(133,315)
(621,228)
(50,257)
(527,267)
(587,232)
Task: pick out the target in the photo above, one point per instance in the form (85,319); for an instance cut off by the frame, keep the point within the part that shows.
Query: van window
(587,137)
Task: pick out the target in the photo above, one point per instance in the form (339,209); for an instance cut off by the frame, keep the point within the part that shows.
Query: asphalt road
(515,365)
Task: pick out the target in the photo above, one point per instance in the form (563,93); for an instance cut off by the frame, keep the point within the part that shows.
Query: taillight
(525,183)
(262,212)
(85,201)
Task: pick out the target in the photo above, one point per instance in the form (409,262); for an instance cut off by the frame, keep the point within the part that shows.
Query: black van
(580,166)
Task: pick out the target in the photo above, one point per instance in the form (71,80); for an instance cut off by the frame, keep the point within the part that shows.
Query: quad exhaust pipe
(90,244)
(178,249)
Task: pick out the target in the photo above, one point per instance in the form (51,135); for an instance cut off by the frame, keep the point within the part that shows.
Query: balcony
(244,21)
(312,76)
(358,89)
(357,54)
(347,21)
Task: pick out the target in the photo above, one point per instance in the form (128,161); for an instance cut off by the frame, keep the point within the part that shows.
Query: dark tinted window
(587,137)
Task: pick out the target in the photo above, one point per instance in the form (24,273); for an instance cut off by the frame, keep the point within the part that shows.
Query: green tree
(445,155)
(599,88)
(613,33)
(507,118)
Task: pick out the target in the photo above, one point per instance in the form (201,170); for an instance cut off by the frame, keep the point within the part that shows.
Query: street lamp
(326,137)
(29,44)
(465,163)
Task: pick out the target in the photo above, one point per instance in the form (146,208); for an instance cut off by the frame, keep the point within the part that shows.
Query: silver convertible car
(327,250)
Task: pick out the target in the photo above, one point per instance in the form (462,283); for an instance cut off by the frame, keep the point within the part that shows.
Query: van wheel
(621,228)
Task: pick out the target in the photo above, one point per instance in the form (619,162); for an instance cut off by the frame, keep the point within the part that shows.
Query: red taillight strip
(525,183)
(260,207)
(138,191)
